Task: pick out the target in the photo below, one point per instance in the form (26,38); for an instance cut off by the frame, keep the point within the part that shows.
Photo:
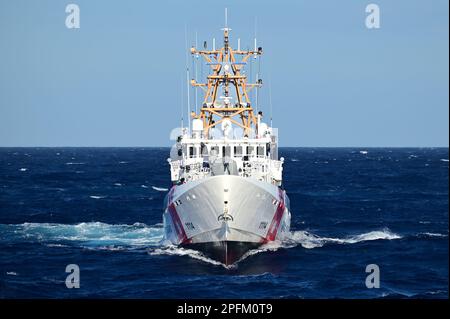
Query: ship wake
(300,238)
(142,237)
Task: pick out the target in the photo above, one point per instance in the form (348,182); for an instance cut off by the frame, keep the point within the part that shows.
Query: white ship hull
(224,216)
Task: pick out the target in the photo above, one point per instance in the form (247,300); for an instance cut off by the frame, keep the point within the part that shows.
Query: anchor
(225,217)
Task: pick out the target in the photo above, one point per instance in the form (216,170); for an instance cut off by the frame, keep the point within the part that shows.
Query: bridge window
(250,150)
(192,151)
(237,151)
(226,150)
(260,151)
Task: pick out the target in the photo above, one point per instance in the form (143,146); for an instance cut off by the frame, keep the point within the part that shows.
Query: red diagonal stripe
(182,237)
(275,224)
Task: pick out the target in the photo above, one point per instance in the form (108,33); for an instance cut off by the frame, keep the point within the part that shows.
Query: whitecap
(364,152)
(444,160)
(144,186)
(309,240)
(427,234)
(96,197)
(11,273)
(75,163)
(94,235)
(160,189)
(117,184)
(23,169)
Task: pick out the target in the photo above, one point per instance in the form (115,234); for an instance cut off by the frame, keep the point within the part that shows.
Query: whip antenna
(187,77)
(270,100)
(182,103)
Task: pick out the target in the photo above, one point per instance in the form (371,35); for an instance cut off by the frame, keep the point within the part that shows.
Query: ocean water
(101,208)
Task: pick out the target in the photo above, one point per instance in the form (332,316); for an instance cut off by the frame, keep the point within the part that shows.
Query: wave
(11,273)
(75,163)
(195,254)
(138,236)
(96,197)
(303,238)
(94,235)
(444,160)
(160,189)
(432,235)
(23,169)
(309,241)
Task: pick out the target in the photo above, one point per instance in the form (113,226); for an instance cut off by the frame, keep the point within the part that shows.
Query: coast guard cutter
(227,195)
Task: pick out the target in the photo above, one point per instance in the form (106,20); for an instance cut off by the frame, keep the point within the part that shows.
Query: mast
(226,65)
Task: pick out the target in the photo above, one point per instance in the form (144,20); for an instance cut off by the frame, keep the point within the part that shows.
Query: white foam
(364,152)
(305,239)
(75,163)
(117,184)
(11,273)
(433,234)
(101,236)
(96,197)
(144,186)
(179,251)
(23,169)
(160,189)
(309,240)
(95,235)
(270,246)
(444,160)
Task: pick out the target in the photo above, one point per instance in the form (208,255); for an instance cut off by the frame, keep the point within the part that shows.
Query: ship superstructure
(227,194)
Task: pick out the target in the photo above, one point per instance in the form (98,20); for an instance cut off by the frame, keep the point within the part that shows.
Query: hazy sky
(116,81)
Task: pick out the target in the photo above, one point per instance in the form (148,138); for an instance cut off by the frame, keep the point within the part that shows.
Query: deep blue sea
(101,208)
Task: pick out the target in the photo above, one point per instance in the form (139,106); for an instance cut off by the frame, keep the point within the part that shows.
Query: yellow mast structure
(226,65)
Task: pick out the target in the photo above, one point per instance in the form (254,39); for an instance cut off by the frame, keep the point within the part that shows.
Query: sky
(118,79)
